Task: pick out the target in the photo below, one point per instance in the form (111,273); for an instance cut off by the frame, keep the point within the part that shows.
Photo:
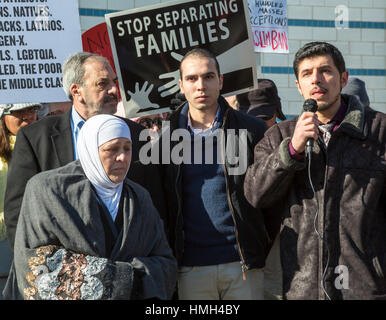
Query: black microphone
(310,105)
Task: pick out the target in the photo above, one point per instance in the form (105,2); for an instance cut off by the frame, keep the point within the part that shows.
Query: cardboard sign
(269,25)
(148,44)
(35,39)
(96,40)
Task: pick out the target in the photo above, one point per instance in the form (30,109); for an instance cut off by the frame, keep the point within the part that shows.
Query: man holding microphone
(331,202)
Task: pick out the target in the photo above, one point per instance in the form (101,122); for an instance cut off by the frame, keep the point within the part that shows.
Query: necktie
(326,131)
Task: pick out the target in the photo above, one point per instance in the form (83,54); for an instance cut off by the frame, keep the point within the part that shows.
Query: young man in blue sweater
(218,239)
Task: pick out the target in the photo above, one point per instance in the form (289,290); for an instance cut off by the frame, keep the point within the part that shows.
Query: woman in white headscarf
(91,147)
(87,232)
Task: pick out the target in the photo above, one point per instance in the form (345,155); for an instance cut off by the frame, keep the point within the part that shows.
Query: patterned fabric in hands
(58,274)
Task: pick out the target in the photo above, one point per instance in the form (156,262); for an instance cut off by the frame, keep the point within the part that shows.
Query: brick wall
(362,45)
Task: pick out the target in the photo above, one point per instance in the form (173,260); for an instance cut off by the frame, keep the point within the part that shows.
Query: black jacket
(251,235)
(47,144)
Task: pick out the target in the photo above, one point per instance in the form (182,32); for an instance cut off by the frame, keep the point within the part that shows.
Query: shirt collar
(185,121)
(207,131)
(75,120)
(75,117)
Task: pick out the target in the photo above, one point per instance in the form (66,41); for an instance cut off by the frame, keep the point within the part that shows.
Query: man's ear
(344,79)
(221,80)
(181,87)
(299,88)
(75,92)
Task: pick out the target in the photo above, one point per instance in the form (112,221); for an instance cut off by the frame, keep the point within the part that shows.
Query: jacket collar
(354,121)
(174,117)
(62,123)
(62,138)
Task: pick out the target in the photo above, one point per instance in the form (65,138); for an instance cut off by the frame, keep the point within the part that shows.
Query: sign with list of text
(36,37)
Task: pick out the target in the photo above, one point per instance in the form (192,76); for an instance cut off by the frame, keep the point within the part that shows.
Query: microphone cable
(323,281)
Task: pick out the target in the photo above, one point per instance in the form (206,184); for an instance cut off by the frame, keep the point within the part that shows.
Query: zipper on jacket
(179,209)
(321,224)
(321,221)
(320,212)
(244,266)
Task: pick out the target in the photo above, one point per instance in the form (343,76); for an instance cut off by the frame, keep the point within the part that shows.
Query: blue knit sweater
(208,224)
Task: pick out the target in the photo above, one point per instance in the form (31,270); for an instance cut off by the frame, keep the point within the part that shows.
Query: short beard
(324,106)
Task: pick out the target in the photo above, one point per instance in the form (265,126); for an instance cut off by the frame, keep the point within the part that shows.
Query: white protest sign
(148,44)
(36,37)
(269,25)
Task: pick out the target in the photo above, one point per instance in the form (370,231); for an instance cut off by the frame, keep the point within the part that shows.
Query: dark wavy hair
(314,49)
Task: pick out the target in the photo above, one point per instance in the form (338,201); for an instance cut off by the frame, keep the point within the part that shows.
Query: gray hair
(73,69)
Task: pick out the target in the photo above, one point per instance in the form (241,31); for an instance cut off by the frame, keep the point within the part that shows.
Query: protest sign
(148,44)
(36,37)
(269,25)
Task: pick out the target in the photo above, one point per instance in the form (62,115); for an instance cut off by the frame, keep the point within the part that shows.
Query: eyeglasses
(150,123)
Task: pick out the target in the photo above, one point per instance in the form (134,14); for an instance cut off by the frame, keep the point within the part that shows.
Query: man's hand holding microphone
(306,130)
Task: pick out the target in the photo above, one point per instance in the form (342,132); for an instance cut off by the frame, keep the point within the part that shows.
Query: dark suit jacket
(47,144)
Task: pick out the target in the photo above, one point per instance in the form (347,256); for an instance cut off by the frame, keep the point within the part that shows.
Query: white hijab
(96,131)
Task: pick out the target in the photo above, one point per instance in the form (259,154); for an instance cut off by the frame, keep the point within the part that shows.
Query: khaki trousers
(273,274)
(220,282)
